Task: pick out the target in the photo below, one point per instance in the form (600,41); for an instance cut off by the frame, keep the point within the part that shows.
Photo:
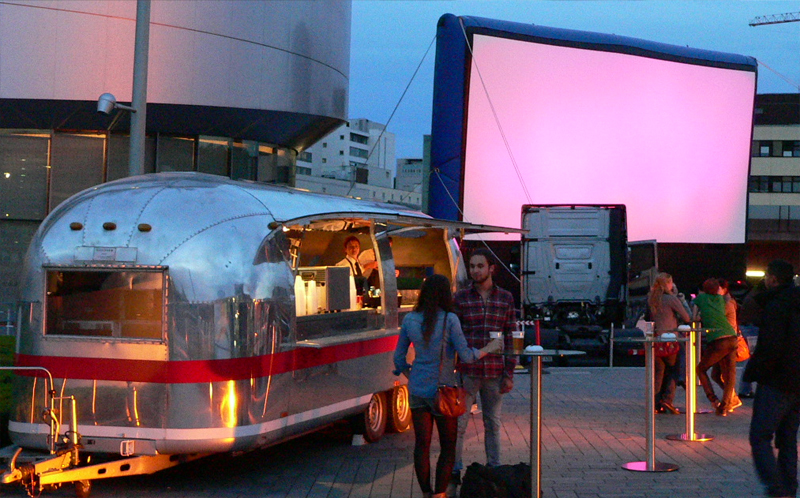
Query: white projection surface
(669,140)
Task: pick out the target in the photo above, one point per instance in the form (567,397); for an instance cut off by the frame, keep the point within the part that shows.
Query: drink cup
(495,334)
(518,337)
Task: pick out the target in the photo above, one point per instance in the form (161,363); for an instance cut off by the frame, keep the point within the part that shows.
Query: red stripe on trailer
(201,371)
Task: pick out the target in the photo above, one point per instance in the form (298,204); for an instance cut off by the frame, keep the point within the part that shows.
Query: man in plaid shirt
(482,308)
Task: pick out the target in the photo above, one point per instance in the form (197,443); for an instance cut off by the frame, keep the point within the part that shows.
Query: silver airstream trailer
(172,315)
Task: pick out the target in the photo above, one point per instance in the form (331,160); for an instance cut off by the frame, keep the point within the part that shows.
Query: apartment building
(774,205)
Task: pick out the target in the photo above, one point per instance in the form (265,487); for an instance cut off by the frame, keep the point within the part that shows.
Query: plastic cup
(495,334)
(518,339)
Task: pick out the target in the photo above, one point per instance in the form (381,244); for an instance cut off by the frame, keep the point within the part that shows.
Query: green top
(712,313)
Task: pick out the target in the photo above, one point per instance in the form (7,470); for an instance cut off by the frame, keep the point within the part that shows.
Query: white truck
(574,273)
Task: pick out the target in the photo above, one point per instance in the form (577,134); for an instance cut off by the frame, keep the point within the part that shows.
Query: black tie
(356,268)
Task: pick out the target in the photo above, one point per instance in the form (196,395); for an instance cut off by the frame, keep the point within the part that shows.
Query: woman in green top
(709,307)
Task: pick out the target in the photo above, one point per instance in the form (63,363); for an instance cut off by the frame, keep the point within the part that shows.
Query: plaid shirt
(478,318)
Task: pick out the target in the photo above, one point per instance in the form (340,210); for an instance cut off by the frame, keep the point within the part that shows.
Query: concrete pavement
(593,422)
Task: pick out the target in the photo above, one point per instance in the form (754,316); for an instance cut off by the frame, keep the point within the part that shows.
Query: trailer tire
(83,489)
(399,419)
(372,423)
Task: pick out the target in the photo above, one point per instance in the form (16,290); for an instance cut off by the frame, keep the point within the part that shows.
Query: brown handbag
(451,401)
(742,348)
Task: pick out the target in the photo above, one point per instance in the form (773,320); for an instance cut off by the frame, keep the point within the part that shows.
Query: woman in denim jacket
(425,328)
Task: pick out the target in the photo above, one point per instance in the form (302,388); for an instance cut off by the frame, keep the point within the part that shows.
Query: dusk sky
(390,38)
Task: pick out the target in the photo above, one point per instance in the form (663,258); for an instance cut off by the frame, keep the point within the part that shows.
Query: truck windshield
(116,304)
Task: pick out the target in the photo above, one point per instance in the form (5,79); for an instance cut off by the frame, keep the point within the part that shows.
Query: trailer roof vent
(75,225)
(144,227)
(108,225)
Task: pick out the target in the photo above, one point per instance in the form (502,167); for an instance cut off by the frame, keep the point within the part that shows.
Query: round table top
(651,338)
(544,352)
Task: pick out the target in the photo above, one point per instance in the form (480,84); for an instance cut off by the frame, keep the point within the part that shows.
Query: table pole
(536,428)
(650,464)
(690,372)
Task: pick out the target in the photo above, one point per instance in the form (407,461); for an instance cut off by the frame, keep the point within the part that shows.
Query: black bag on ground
(505,481)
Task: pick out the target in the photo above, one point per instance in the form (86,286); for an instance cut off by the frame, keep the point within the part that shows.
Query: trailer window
(114,304)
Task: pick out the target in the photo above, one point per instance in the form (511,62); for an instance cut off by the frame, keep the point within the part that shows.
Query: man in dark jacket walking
(775,366)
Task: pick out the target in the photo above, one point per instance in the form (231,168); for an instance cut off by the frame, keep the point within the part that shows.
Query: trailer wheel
(83,489)
(372,423)
(399,419)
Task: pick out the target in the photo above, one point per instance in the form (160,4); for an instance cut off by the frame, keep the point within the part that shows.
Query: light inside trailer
(670,140)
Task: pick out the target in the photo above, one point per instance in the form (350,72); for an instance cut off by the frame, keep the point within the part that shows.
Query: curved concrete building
(235,88)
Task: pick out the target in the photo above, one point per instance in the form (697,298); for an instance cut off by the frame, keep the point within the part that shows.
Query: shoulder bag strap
(444,345)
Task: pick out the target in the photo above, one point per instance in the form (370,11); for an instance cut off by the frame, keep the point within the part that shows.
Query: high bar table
(691,387)
(536,409)
(650,464)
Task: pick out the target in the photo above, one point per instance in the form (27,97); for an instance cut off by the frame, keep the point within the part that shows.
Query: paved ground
(593,423)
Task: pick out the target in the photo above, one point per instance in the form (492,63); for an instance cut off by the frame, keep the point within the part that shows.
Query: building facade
(774,205)
(359,151)
(234,88)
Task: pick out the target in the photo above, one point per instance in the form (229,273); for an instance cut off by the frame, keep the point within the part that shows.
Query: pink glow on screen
(669,140)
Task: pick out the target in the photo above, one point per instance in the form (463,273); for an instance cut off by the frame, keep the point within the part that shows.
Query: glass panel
(212,155)
(77,164)
(15,236)
(23,184)
(174,154)
(244,160)
(122,304)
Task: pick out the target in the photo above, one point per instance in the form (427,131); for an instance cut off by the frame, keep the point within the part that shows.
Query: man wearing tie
(352,248)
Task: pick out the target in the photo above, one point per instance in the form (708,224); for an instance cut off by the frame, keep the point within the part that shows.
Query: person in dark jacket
(775,366)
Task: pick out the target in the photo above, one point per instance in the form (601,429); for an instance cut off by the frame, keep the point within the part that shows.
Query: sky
(390,38)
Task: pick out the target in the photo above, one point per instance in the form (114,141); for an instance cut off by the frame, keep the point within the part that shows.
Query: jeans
(664,378)
(775,413)
(423,418)
(722,350)
(491,405)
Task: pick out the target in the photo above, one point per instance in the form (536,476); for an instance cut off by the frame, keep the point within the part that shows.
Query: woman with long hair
(665,309)
(432,328)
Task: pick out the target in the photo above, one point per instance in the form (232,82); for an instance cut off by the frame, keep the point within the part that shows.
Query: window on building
(324,160)
(301,170)
(245,159)
(359,139)
(764,148)
(305,156)
(341,137)
(212,155)
(174,153)
(77,164)
(362,175)
(791,148)
(341,152)
(356,152)
(324,145)
(23,175)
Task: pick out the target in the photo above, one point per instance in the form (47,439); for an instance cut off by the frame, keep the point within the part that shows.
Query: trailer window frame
(112,323)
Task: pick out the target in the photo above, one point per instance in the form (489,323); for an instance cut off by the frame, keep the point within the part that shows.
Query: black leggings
(423,420)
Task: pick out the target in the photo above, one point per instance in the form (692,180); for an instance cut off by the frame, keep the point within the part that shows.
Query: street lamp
(138,108)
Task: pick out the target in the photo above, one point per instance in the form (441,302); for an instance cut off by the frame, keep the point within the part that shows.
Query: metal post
(691,392)
(611,346)
(536,428)
(650,464)
(139,98)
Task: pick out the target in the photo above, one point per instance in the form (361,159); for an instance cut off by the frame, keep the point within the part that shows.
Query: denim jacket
(424,371)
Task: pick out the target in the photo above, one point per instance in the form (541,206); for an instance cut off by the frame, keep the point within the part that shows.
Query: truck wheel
(372,423)
(83,489)
(399,419)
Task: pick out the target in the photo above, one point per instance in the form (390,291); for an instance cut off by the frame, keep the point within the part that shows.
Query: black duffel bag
(505,481)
